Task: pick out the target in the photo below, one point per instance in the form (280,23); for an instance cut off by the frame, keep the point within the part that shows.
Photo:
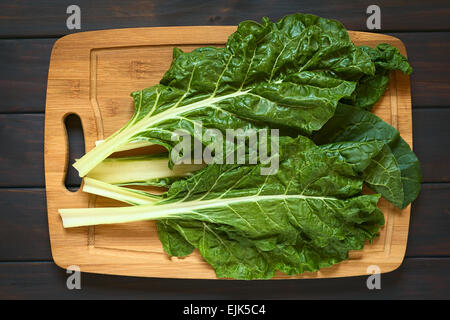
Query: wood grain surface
(91,74)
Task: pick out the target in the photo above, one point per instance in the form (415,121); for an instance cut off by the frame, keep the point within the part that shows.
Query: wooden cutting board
(92,75)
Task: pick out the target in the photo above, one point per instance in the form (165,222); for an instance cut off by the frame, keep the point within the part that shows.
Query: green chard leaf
(370,88)
(384,176)
(245,224)
(357,153)
(286,74)
(173,242)
(395,173)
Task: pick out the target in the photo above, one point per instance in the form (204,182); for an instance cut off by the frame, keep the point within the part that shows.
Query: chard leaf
(245,224)
(251,83)
(359,154)
(409,166)
(370,88)
(173,243)
(388,57)
(354,124)
(384,176)
(232,254)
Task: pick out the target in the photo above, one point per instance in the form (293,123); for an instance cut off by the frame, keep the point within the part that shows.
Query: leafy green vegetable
(244,223)
(301,75)
(173,242)
(359,154)
(395,173)
(370,88)
(259,79)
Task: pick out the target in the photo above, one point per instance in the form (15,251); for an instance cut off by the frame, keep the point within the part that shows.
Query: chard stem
(130,196)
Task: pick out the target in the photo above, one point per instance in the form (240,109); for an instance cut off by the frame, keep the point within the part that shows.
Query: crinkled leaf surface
(307,216)
(354,124)
(384,176)
(173,242)
(370,88)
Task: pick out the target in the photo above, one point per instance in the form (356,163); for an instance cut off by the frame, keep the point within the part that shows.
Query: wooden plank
(23,149)
(23,222)
(48,17)
(23,225)
(430,223)
(81,69)
(431,133)
(23,76)
(415,279)
(21,152)
(428,54)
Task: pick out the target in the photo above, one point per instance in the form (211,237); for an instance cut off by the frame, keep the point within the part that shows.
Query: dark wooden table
(28,30)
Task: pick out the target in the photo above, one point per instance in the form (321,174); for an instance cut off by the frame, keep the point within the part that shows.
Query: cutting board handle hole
(75,140)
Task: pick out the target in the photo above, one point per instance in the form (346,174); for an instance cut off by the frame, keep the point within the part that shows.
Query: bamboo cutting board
(92,74)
